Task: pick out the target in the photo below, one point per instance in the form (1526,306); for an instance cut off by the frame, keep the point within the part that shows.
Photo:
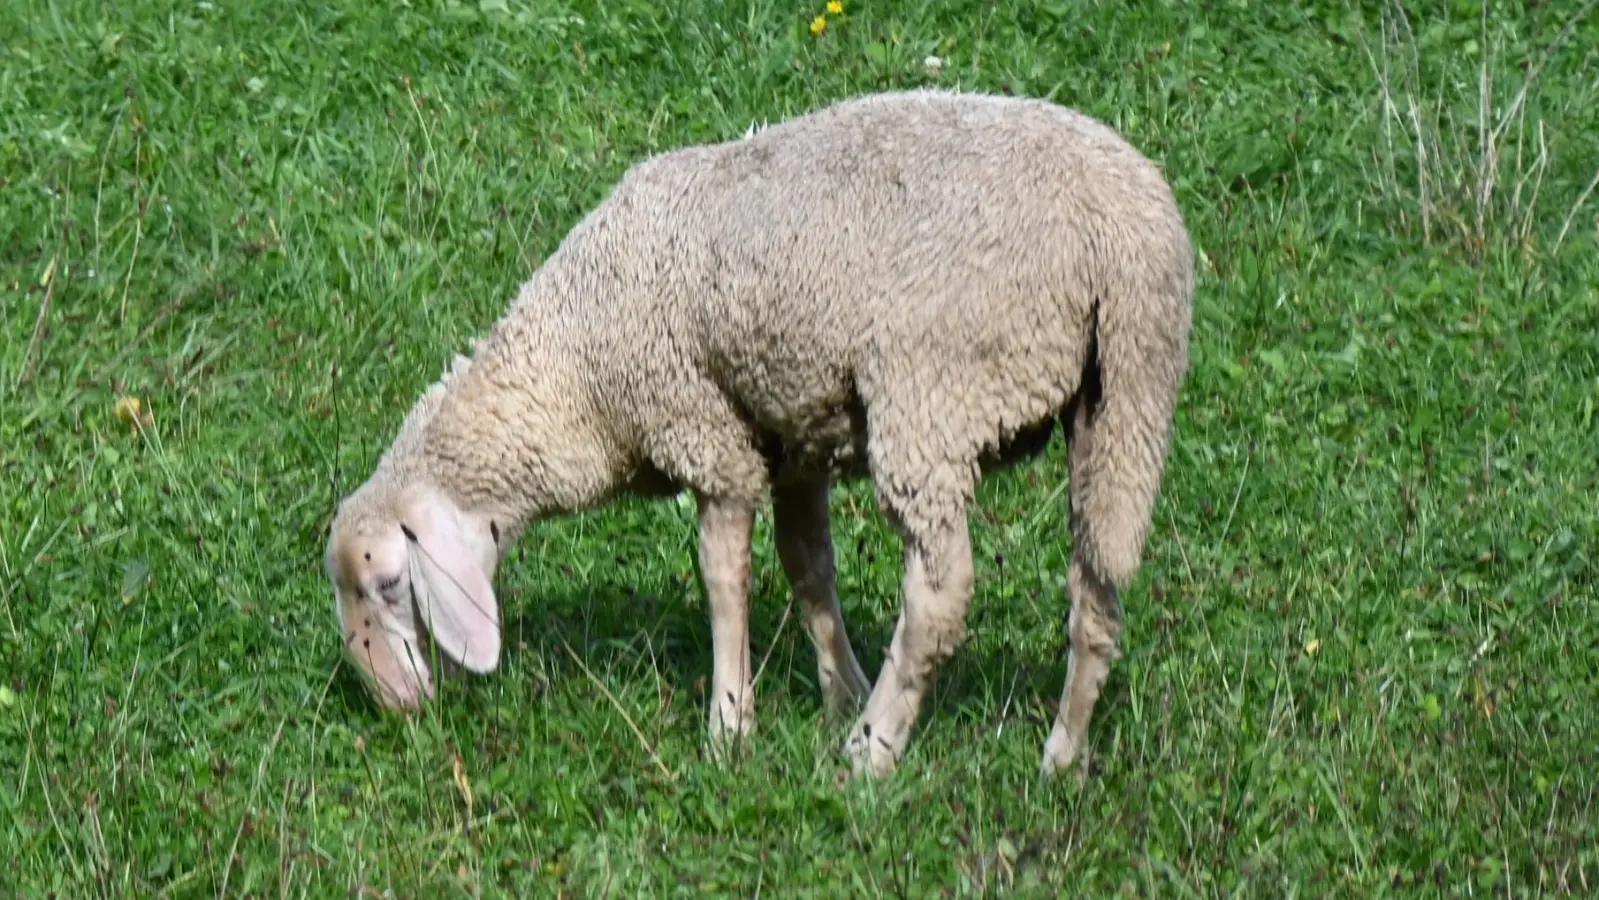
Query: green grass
(1362,657)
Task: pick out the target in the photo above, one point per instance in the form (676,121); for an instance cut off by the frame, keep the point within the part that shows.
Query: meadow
(237,239)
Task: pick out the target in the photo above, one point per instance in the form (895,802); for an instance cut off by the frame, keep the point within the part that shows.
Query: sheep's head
(398,558)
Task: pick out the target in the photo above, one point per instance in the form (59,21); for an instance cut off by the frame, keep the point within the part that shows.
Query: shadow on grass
(628,638)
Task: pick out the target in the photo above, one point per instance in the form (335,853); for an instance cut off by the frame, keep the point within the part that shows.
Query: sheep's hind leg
(937,593)
(725,528)
(1095,621)
(805,545)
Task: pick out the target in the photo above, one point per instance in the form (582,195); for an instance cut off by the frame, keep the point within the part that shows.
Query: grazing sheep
(909,286)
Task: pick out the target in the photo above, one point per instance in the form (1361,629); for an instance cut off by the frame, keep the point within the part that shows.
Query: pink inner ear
(456,600)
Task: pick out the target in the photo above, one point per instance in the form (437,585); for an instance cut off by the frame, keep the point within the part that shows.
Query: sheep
(914,287)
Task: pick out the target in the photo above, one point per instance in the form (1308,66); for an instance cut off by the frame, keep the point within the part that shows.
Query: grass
(1363,655)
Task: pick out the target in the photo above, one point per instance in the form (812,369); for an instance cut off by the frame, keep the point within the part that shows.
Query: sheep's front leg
(725,528)
(938,591)
(805,545)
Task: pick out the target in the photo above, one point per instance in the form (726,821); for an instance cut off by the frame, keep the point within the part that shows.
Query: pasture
(238,239)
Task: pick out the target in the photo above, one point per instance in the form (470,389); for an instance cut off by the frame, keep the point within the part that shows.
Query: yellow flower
(133,411)
(835,7)
(818,25)
(128,408)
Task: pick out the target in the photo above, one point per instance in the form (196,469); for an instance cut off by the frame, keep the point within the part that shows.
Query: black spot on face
(366,643)
(368,557)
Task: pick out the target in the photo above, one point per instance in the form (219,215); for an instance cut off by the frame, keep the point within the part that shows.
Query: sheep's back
(955,241)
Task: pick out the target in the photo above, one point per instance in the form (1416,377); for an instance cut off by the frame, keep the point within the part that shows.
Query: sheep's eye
(387,585)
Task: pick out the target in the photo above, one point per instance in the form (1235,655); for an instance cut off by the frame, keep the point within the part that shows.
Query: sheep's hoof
(844,690)
(723,748)
(1050,769)
(1059,754)
(870,757)
(729,732)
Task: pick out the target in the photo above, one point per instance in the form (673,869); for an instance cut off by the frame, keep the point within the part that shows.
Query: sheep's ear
(450,568)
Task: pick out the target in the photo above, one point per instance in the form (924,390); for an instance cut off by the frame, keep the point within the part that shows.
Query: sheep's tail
(1121,442)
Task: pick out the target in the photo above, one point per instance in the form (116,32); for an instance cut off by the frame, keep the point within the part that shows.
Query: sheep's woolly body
(929,266)
(913,286)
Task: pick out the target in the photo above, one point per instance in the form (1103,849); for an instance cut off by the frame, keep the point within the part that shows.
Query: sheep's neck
(517,439)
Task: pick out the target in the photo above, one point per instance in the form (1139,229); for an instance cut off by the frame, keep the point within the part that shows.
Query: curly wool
(912,285)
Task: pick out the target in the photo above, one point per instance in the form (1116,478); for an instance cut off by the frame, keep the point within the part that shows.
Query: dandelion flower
(133,411)
(835,7)
(818,25)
